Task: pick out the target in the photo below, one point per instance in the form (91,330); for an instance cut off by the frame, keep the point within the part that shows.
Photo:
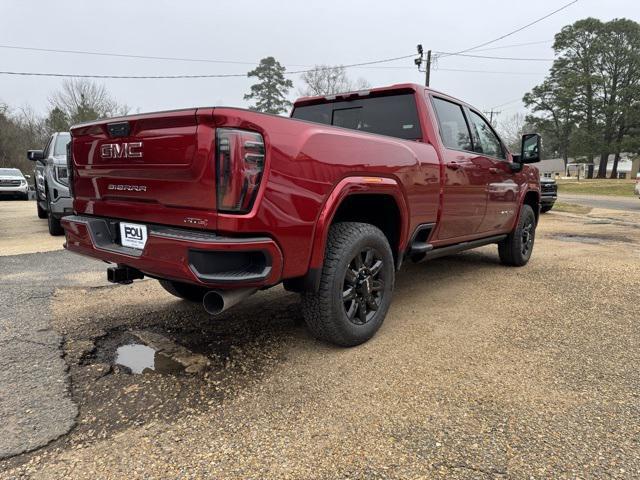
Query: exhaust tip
(213,303)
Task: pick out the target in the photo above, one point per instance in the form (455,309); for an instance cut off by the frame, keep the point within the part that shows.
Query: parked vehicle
(53,200)
(219,202)
(637,189)
(13,184)
(548,194)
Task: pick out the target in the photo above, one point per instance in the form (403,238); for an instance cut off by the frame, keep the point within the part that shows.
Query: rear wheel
(186,291)
(356,284)
(516,249)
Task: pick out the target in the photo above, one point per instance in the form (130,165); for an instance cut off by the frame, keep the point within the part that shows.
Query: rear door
(502,189)
(464,191)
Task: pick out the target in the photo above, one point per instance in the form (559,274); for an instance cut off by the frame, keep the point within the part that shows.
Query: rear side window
(394,115)
(486,140)
(454,131)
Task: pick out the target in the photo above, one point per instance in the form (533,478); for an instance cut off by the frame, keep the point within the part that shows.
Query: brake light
(239,167)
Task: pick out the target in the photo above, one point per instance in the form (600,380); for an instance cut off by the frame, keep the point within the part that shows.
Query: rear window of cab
(392,115)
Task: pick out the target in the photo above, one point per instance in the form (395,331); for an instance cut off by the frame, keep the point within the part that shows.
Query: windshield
(10,171)
(393,115)
(60,147)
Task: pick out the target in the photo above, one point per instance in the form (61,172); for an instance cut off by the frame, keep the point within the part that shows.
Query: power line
(162,77)
(507,103)
(123,55)
(475,47)
(487,71)
(448,54)
(513,45)
(352,65)
(132,77)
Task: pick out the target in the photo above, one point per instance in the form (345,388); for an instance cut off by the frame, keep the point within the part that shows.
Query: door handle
(453,165)
(493,170)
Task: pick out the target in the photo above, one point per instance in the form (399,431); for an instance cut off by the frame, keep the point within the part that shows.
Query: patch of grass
(570,208)
(622,188)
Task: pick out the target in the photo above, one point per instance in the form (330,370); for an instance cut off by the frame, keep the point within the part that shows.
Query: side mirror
(35,155)
(27,176)
(530,152)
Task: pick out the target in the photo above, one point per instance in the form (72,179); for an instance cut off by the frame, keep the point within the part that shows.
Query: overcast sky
(294,32)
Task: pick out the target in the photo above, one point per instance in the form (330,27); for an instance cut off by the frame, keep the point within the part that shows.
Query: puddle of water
(142,359)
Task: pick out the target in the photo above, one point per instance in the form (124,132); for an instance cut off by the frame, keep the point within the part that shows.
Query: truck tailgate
(159,160)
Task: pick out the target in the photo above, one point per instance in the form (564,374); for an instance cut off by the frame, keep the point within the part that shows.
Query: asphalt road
(480,371)
(631,204)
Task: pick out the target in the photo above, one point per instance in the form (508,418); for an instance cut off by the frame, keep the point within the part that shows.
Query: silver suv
(13,183)
(52,181)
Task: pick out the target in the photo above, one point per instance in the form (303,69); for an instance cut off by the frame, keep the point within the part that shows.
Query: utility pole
(490,114)
(420,60)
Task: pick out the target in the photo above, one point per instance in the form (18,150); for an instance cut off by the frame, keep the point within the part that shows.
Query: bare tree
(82,100)
(511,130)
(328,80)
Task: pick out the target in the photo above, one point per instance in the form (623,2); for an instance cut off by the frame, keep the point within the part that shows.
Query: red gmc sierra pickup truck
(217,203)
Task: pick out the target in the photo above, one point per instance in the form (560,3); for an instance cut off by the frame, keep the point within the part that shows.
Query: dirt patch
(592,239)
(21,231)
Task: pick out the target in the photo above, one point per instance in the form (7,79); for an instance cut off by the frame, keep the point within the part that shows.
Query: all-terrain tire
(186,291)
(326,313)
(516,249)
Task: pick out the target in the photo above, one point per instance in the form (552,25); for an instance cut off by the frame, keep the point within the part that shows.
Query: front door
(502,189)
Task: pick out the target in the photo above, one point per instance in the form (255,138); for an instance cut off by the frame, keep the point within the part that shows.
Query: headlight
(23,183)
(62,175)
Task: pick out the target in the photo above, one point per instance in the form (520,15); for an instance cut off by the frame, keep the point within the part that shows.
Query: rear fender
(346,187)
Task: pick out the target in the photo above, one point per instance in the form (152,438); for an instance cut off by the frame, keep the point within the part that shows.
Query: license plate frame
(133,235)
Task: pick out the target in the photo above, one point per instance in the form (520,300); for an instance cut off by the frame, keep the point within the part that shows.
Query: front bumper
(62,206)
(19,190)
(192,256)
(548,199)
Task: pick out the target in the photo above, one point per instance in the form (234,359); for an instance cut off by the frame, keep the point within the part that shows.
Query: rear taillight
(239,167)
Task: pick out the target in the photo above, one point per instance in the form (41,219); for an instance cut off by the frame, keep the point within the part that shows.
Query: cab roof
(370,92)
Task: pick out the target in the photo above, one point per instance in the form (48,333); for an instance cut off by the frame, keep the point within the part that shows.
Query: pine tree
(270,92)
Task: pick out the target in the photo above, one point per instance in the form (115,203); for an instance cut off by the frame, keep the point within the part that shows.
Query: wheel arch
(375,200)
(531,198)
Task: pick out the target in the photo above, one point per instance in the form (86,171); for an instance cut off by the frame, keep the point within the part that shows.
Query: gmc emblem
(121,150)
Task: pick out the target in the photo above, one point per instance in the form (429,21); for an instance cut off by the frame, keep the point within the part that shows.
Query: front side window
(453,127)
(47,147)
(486,141)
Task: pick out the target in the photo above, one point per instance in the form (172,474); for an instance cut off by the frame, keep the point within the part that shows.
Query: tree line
(76,101)
(588,106)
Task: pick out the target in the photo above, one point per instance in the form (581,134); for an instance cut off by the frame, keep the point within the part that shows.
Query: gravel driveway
(480,371)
